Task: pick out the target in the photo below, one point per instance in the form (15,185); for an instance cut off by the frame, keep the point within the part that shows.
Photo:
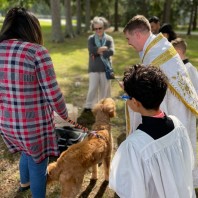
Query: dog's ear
(96,108)
(110,109)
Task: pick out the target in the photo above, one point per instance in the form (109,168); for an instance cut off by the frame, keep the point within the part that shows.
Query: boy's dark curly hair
(148,85)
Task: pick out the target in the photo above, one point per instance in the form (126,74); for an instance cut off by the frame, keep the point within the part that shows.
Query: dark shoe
(23,189)
(87,110)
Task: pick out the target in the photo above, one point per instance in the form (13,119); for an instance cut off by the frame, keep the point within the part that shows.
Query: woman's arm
(110,48)
(48,83)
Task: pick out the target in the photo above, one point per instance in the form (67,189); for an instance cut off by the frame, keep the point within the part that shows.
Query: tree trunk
(195,15)
(116,16)
(68,26)
(167,11)
(144,7)
(78,10)
(57,35)
(191,19)
(87,17)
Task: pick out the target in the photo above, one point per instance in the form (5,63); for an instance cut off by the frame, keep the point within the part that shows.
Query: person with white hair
(101,49)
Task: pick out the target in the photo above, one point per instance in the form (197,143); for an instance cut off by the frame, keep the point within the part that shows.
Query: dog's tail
(53,172)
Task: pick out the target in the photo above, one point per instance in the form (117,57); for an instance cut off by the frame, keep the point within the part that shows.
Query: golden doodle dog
(71,166)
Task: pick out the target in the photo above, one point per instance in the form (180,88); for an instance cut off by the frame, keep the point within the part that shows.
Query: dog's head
(106,105)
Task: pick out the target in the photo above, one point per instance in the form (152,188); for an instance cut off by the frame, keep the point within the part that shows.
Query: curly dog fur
(71,166)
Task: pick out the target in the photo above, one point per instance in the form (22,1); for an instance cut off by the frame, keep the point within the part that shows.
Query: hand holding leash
(76,125)
(120,83)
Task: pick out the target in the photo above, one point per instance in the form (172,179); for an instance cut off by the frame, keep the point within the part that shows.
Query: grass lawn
(70,60)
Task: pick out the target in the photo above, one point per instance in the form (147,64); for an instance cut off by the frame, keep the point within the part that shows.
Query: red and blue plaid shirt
(29,93)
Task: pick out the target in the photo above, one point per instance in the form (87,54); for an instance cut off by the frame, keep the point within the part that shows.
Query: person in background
(29,95)
(156,160)
(181,46)
(101,49)
(168,32)
(155,24)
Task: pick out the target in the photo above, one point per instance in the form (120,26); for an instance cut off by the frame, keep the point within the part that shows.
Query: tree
(87,15)
(194,26)
(191,17)
(56,21)
(78,13)
(116,16)
(167,11)
(68,26)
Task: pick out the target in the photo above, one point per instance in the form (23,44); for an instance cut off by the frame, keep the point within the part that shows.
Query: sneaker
(87,110)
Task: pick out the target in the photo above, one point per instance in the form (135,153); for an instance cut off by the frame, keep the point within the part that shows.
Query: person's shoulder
(91,36)
(35,50)
(178,126)
(32,46)
(138,140)
(190,65)
(109,37)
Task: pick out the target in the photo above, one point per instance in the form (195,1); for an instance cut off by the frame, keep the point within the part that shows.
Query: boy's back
(154,168)
(156,161)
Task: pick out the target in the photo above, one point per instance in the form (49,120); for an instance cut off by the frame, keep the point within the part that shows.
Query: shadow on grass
(102,189)
(87,191)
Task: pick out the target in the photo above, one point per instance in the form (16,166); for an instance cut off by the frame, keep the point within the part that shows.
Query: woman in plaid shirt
(29,93)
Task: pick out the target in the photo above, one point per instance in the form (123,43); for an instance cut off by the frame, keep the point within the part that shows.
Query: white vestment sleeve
(126,176)
(193,73)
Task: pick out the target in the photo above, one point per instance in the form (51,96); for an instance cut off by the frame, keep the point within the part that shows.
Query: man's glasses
(125,97)
(100,28)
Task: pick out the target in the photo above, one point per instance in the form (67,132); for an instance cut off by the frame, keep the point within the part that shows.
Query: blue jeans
(35,173)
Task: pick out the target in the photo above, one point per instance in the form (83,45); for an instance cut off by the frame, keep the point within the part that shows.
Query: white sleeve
(193,75)
(126,174)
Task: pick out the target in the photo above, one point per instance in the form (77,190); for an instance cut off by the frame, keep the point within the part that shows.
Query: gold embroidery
(173,91)
(184,92)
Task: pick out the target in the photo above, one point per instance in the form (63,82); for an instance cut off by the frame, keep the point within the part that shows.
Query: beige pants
(99,88)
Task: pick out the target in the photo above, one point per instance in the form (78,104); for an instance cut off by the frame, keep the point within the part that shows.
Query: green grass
(70,60)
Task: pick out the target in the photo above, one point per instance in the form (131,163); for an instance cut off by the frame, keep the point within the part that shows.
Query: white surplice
(193,73)
(146,168)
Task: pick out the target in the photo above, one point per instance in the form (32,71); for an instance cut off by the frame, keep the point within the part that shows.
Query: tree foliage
(118,12)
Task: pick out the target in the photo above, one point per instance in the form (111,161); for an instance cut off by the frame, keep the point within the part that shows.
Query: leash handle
(76,125)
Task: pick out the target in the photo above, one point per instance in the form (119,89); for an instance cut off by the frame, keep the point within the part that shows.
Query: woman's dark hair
(21,24)
(148,85)
(167,28)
